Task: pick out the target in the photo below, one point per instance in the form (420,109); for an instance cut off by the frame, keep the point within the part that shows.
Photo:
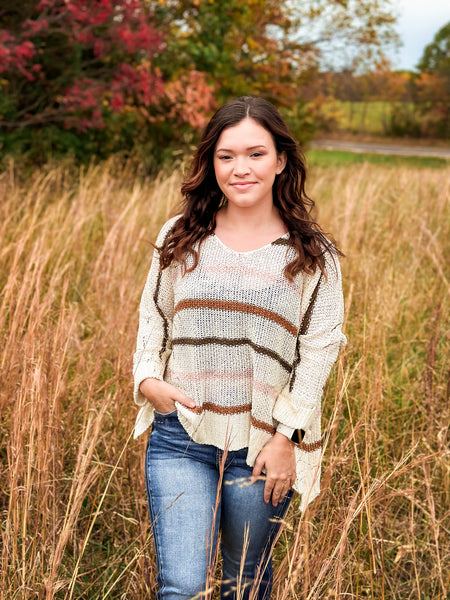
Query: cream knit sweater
(252,349)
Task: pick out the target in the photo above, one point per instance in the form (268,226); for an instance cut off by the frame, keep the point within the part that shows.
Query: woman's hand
(162,396)
(278,459)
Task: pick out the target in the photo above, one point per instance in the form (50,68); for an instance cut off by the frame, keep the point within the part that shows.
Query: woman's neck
(247,230)
(254,220)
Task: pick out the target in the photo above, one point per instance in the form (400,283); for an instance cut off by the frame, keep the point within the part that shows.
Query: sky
(418,23)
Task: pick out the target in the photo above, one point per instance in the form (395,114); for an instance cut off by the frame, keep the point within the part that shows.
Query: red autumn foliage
(88,58)
(16,54)
(189,99)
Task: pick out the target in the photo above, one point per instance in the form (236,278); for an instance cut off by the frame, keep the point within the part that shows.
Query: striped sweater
(252,349)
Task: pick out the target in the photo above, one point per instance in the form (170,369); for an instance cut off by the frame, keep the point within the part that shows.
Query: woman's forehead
(247,134)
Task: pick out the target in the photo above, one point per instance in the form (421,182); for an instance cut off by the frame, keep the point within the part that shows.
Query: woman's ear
(282,160)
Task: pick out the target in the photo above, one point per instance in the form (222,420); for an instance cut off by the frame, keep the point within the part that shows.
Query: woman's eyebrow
(249,148)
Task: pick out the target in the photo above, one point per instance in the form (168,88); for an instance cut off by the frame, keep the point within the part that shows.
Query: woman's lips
(243,185)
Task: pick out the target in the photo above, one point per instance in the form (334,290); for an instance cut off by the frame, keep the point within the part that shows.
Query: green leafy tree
(428,112)
(432,86)
(271,48)
(436,56)
(267,46)
(242,46)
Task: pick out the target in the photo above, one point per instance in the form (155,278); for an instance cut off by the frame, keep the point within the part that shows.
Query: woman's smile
(243,185)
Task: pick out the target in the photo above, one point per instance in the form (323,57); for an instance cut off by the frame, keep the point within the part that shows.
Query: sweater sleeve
(154,339)
(318,343)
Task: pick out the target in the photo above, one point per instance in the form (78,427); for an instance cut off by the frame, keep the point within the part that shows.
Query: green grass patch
(371,117)
(338,158)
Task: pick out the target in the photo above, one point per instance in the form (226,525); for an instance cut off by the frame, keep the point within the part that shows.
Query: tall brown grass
(74,254)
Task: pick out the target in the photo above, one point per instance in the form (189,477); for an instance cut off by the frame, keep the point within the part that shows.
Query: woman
(240,323)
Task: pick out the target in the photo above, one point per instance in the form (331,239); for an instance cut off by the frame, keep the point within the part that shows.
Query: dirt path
(380,148)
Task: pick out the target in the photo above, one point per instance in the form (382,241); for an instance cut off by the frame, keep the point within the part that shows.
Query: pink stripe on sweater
(263,388)
(251,272)
(201,375)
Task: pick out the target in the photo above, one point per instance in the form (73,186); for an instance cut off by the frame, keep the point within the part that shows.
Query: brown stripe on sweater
(221,410)
(304,326)
(307,316)
(232,342)
(232,305)
(311,447)
(262,425)
(162,315)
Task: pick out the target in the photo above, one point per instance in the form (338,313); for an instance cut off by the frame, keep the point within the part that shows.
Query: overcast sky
(418,23)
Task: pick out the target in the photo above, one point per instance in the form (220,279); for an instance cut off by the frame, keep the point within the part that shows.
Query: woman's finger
(161,394)
(178,396)
(257,470)
(280,490)
(270,490)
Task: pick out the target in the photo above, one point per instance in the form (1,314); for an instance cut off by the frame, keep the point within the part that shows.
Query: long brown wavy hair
(202,197)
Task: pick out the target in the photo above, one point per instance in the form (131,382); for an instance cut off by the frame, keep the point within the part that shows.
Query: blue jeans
(194,491)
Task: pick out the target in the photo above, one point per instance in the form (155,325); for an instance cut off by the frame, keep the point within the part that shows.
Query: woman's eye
(224,157)
(256,154)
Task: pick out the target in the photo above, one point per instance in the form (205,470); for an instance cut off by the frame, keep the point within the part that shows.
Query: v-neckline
(281,237)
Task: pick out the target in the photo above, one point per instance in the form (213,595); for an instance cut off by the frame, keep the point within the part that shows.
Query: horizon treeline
(142,77)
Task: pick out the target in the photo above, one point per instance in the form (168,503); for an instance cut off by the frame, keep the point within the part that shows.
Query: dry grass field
(74,254)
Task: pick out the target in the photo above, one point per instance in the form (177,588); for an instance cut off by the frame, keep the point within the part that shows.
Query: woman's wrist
(282,438)
(147,381)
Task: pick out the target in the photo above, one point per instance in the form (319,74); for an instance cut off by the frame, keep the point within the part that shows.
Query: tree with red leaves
(80,64)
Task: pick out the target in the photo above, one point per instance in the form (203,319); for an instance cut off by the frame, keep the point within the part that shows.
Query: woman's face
(246,163)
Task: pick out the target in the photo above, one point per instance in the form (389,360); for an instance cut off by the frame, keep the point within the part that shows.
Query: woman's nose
(241,167)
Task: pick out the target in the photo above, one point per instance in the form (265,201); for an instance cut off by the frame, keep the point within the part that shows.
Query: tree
(78,65)
(265,46)
(79,57)
(241,45)
(432,85)
(436,56)
(347,34)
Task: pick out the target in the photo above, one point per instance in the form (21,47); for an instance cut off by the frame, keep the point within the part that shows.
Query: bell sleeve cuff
(154,339)
(319,340)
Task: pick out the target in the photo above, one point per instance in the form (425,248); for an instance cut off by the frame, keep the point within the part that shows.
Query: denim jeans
(194,491)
